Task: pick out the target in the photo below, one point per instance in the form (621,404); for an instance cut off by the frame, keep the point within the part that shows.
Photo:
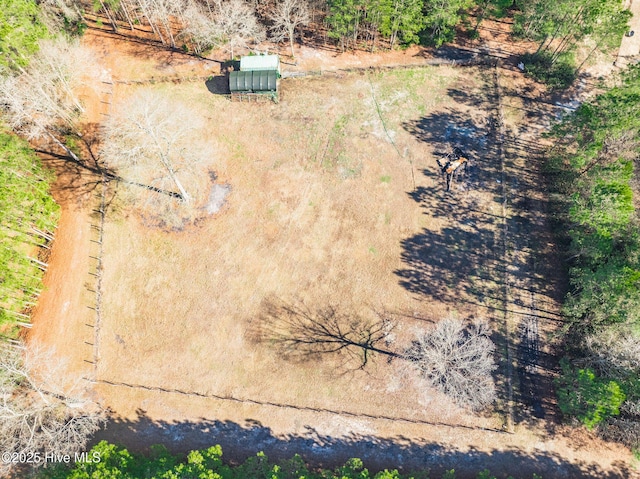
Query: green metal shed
(256,63)
(253,81)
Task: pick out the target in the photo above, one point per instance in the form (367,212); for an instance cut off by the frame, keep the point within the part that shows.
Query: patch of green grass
(273,210)
(237,149)
(72,142)
(385,179)
(339,125)
(334,155)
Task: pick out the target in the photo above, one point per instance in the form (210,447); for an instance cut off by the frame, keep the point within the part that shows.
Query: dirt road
(630,46)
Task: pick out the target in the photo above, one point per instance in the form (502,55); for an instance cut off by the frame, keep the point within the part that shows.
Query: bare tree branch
(237,24)
(41,100)
(200,27)
(458,360)
(286,17)
(40,409)
(455,358)
(614,353)
(152,140)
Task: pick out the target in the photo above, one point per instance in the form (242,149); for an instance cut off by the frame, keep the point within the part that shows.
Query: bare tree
(237,24)
(287,16)
(159,14)
(199,27)
(57,11)
(304,333)
(152,140)
(41,100)
(614,352)
(455,358)
(625,430)
(458,360)
(39,413)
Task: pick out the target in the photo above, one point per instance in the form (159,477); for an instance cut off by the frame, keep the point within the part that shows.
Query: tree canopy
(117,462)
(20,30)
(596,149)
(28,215)
(593,162)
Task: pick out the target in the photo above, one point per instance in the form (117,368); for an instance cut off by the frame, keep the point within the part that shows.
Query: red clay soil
(65,294)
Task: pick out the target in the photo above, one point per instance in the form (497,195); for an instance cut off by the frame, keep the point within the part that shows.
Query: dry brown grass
(323,210)
(317,213)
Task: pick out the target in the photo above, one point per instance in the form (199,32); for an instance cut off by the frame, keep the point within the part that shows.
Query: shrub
(586,396)
(557,73)
(457,359)
(118,463)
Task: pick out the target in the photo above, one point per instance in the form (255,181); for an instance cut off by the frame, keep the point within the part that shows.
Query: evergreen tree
(28,216)
(441,19)
(401,20)
(345,21)
(20,31)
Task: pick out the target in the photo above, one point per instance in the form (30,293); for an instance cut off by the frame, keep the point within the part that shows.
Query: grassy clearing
(321,208)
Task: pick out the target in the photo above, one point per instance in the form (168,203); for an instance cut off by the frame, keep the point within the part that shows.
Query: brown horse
(451,163)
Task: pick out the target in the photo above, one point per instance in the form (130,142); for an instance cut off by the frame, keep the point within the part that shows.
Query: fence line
(267,403)
(500,139)
(100,211)
(99,269)
(164,79)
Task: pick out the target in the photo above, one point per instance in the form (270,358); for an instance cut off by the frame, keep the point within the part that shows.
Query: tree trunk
(63,146)
(183,193)
(291,41)
(112,20)
(555,33)
(125,10)
(166,162)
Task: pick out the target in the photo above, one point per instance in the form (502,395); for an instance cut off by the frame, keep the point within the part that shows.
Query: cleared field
(323,211)
(336,200)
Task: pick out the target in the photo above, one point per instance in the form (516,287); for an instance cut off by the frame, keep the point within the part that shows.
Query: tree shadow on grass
(451,265)
(490,228)
(240,441)
(454,127)
(451,127)
(301,333)
(146,46)
(77,178)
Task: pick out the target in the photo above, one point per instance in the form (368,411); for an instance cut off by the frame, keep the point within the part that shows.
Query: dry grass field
(336,200)
(322,211)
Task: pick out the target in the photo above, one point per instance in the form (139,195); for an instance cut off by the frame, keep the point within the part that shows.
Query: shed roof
(260,62)
(253,81)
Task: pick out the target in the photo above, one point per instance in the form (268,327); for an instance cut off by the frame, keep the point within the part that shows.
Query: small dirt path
(630,45)
(63,318)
